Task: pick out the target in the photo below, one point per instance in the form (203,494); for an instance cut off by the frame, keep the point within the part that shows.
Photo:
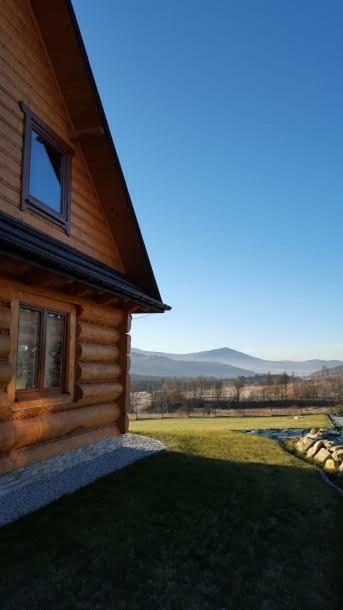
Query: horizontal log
(92,371)
(24,432)
(92,333)
(37,453)
(93,352)
(5,374)
(93,393)
(5,317)
(5,345)
(106,316)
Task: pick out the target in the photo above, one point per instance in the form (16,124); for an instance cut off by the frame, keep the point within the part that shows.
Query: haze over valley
(222,363)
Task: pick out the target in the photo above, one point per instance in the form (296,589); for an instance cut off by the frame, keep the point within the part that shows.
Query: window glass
(28,349)
(45,173)
(54,349)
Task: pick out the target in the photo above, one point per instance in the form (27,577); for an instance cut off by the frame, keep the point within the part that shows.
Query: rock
(314,449)
(317,434)
(321,456)
(337,452)
(298,445)
(330,465)
(306,443)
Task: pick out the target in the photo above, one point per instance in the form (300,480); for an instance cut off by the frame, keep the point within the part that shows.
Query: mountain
(213,363)
(334,370)
(161,366)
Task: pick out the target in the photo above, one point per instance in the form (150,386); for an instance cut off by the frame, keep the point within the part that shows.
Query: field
(218,424)
(220,521)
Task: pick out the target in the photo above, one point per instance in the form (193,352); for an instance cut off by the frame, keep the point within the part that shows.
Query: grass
(219,424)
(222,520)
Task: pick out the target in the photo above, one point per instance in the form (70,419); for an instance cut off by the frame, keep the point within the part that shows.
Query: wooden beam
(105,316)
(91,352)
(106,299)
(92,333)
(95,371)
(95,393)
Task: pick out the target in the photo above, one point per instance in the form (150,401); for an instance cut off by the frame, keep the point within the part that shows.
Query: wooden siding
(94,404)
(26,75)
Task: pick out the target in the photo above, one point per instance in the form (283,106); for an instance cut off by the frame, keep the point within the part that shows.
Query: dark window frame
(28,201)
(41,391)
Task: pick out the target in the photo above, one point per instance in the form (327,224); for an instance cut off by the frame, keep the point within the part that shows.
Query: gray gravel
(26,498)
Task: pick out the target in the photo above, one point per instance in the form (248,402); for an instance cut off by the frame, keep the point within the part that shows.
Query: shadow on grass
(181,531)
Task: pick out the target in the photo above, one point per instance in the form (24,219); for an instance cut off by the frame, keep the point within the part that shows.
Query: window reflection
(54,350)
(45,173)
(28,347)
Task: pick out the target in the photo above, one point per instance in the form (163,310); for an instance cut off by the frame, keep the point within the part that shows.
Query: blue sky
(228,121)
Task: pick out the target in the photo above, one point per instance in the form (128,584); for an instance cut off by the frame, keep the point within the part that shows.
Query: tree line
(165,395)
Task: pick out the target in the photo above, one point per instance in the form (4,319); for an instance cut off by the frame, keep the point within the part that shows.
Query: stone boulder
(322,456)
(313,450)
(330,465)
(305,443)
(337,453)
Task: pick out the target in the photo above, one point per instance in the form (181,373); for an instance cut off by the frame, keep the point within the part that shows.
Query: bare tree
(267,389)
(133,405)
(238,384)
(218,390)
(284,379)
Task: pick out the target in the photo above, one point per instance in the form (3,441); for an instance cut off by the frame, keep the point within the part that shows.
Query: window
(41,360)
(46,177)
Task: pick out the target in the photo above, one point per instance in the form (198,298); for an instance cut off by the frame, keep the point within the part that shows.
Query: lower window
(41,360)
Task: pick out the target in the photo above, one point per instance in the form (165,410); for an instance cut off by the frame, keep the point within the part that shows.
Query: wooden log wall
(92,408)
(24,432)
(98,353)
(5,345)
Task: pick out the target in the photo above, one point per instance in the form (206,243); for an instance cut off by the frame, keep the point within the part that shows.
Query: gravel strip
(37,493)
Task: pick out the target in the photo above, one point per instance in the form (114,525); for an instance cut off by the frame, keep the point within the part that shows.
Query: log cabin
(73,265)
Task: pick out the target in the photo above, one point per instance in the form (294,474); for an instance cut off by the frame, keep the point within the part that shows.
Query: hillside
(335,370)
(222,362)
(162,366)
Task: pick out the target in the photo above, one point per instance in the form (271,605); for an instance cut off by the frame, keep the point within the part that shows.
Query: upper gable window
(46,176)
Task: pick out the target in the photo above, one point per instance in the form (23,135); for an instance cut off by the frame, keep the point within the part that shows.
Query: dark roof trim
(22,242)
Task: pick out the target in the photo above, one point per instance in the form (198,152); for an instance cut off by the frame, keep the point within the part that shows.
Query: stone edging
(300,449)
(315,448)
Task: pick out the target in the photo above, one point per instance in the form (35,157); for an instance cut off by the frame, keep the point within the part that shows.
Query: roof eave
(22,242)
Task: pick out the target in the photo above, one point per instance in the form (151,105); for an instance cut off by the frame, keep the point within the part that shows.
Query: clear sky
(228,121)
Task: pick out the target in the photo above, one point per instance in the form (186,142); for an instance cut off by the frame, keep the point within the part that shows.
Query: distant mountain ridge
(160,365)
(222,362)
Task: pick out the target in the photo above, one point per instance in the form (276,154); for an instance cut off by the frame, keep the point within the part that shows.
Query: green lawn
(222,520)
(202,424)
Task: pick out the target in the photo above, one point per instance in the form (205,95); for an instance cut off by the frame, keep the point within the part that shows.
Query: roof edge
(69,60)
(22,242)
(110,139)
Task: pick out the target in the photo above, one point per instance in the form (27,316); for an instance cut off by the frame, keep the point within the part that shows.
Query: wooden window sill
(42,401)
